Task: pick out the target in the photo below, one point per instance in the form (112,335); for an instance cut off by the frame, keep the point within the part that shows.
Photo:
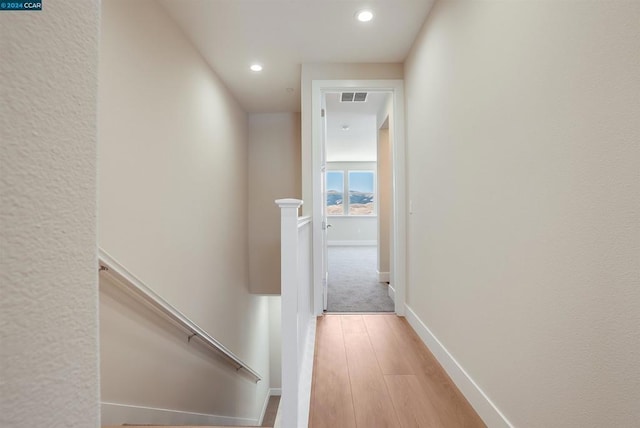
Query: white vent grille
(353,97)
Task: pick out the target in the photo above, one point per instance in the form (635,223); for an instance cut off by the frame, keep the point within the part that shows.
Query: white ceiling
(283,34)
(359,142)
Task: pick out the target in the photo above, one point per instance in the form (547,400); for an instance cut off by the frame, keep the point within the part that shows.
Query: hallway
(374,371)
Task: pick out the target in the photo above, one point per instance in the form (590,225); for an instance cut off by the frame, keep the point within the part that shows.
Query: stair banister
(289,292)
(298,317)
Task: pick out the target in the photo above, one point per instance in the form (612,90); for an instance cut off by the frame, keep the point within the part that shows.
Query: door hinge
(322,113)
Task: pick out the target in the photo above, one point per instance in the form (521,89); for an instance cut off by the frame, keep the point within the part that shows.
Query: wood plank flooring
(373,371)
(271,412)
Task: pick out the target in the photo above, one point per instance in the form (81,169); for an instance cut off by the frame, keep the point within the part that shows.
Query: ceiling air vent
(353,97)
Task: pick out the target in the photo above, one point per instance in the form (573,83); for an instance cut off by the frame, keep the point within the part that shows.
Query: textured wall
(274,173)
(48,304)
(173,209)
(524,171)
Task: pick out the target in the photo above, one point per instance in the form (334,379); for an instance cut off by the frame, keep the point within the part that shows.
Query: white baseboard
(118,414)
(306,373)
(271,392)
(489,413)
(392,293)
(275,392)
(383,276)
(352,243)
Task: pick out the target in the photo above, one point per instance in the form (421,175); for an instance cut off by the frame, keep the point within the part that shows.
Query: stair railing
(125,279)
(298,319)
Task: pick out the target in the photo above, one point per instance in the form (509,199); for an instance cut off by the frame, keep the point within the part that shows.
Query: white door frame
(399,210)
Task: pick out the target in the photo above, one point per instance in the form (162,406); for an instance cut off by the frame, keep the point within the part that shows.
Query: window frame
(346,197)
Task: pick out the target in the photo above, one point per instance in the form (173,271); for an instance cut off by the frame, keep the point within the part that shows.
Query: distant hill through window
(361,195)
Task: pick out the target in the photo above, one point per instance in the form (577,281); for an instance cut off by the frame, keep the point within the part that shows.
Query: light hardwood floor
(373,371)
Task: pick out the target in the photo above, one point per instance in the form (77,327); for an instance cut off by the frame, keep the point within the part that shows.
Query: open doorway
(357,200)
(398,206)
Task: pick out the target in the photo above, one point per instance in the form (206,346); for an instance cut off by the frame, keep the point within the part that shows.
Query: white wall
(173,209)
(356,144)
(48,308)
(346,230)
(523,171)
(384,182)
(274,173)
(353,230)
(384,122)
(275,348)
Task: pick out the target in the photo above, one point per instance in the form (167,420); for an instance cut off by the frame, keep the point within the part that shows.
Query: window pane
(335,193)
(361,193)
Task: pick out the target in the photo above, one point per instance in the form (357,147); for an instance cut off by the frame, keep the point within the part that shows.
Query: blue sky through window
(361,181)
(335,181)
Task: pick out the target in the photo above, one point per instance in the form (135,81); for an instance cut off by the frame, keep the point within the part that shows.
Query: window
(361,193)
(360,187)
(335,193)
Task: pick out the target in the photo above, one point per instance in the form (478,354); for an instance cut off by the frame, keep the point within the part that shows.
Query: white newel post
(289,292)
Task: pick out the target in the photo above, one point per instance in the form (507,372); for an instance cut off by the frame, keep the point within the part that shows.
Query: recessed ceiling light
(364,15)
(256,67)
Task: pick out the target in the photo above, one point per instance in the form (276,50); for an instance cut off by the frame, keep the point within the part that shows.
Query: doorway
(396,217)
(357,179)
